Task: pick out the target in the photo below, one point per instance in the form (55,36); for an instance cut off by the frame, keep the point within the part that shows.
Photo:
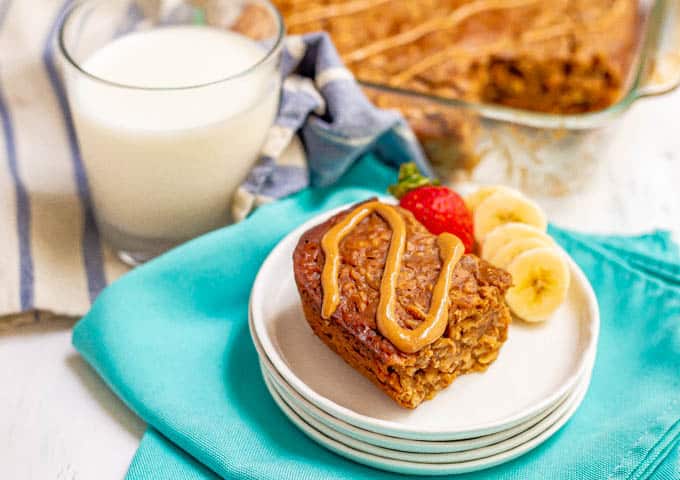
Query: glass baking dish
(549,154)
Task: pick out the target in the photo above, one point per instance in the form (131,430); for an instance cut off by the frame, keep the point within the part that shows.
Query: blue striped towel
(322,101)
(51,256)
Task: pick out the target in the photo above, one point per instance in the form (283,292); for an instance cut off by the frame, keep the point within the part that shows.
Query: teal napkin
(171,339)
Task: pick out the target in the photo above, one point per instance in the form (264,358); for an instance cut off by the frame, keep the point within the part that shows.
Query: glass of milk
(171,102)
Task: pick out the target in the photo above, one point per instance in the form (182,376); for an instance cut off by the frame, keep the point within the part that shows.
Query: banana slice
(509,232)
(540,283)
(473,200)
(507,253)
(501,208)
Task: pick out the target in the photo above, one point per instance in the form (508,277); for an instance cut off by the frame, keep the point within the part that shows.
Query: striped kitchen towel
(51,256)
(323,103)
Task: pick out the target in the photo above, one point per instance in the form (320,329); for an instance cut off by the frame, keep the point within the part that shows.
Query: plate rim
(418,446)
(388,427)
(442,457)
(427,469)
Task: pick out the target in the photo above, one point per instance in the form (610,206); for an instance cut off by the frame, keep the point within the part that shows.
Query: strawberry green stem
(409,179)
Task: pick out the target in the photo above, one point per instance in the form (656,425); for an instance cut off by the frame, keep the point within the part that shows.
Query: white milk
(163,164)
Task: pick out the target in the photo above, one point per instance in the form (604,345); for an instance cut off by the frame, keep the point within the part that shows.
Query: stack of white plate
(481,420)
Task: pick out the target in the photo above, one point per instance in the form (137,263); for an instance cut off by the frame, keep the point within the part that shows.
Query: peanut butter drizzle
(451,249)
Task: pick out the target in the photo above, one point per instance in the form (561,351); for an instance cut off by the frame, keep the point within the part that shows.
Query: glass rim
(271,52)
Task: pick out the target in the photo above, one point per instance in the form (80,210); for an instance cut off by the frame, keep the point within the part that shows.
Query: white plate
(453,457)
(413,468)
(298,403)
(537,366)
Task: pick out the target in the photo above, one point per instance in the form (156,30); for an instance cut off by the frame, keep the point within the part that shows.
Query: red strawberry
(438,208)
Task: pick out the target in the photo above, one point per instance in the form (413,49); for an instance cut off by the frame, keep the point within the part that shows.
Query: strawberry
(438,208)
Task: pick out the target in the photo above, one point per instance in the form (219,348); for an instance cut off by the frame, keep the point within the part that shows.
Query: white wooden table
(58,420)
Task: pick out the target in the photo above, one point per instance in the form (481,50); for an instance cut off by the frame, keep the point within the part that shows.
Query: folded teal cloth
(171,339)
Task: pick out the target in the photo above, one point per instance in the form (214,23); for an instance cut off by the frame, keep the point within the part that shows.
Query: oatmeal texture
(478,317)
(560,56)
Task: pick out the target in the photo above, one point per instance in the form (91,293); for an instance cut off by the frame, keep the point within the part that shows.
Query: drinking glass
(171,102)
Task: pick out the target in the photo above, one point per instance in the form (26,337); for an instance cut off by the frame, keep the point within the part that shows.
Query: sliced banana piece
(500,208)
(540,280)
(473,200)
(509,232)
(507,253)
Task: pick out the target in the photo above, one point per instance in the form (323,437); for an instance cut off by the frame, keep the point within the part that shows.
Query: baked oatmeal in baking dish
(561,56)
